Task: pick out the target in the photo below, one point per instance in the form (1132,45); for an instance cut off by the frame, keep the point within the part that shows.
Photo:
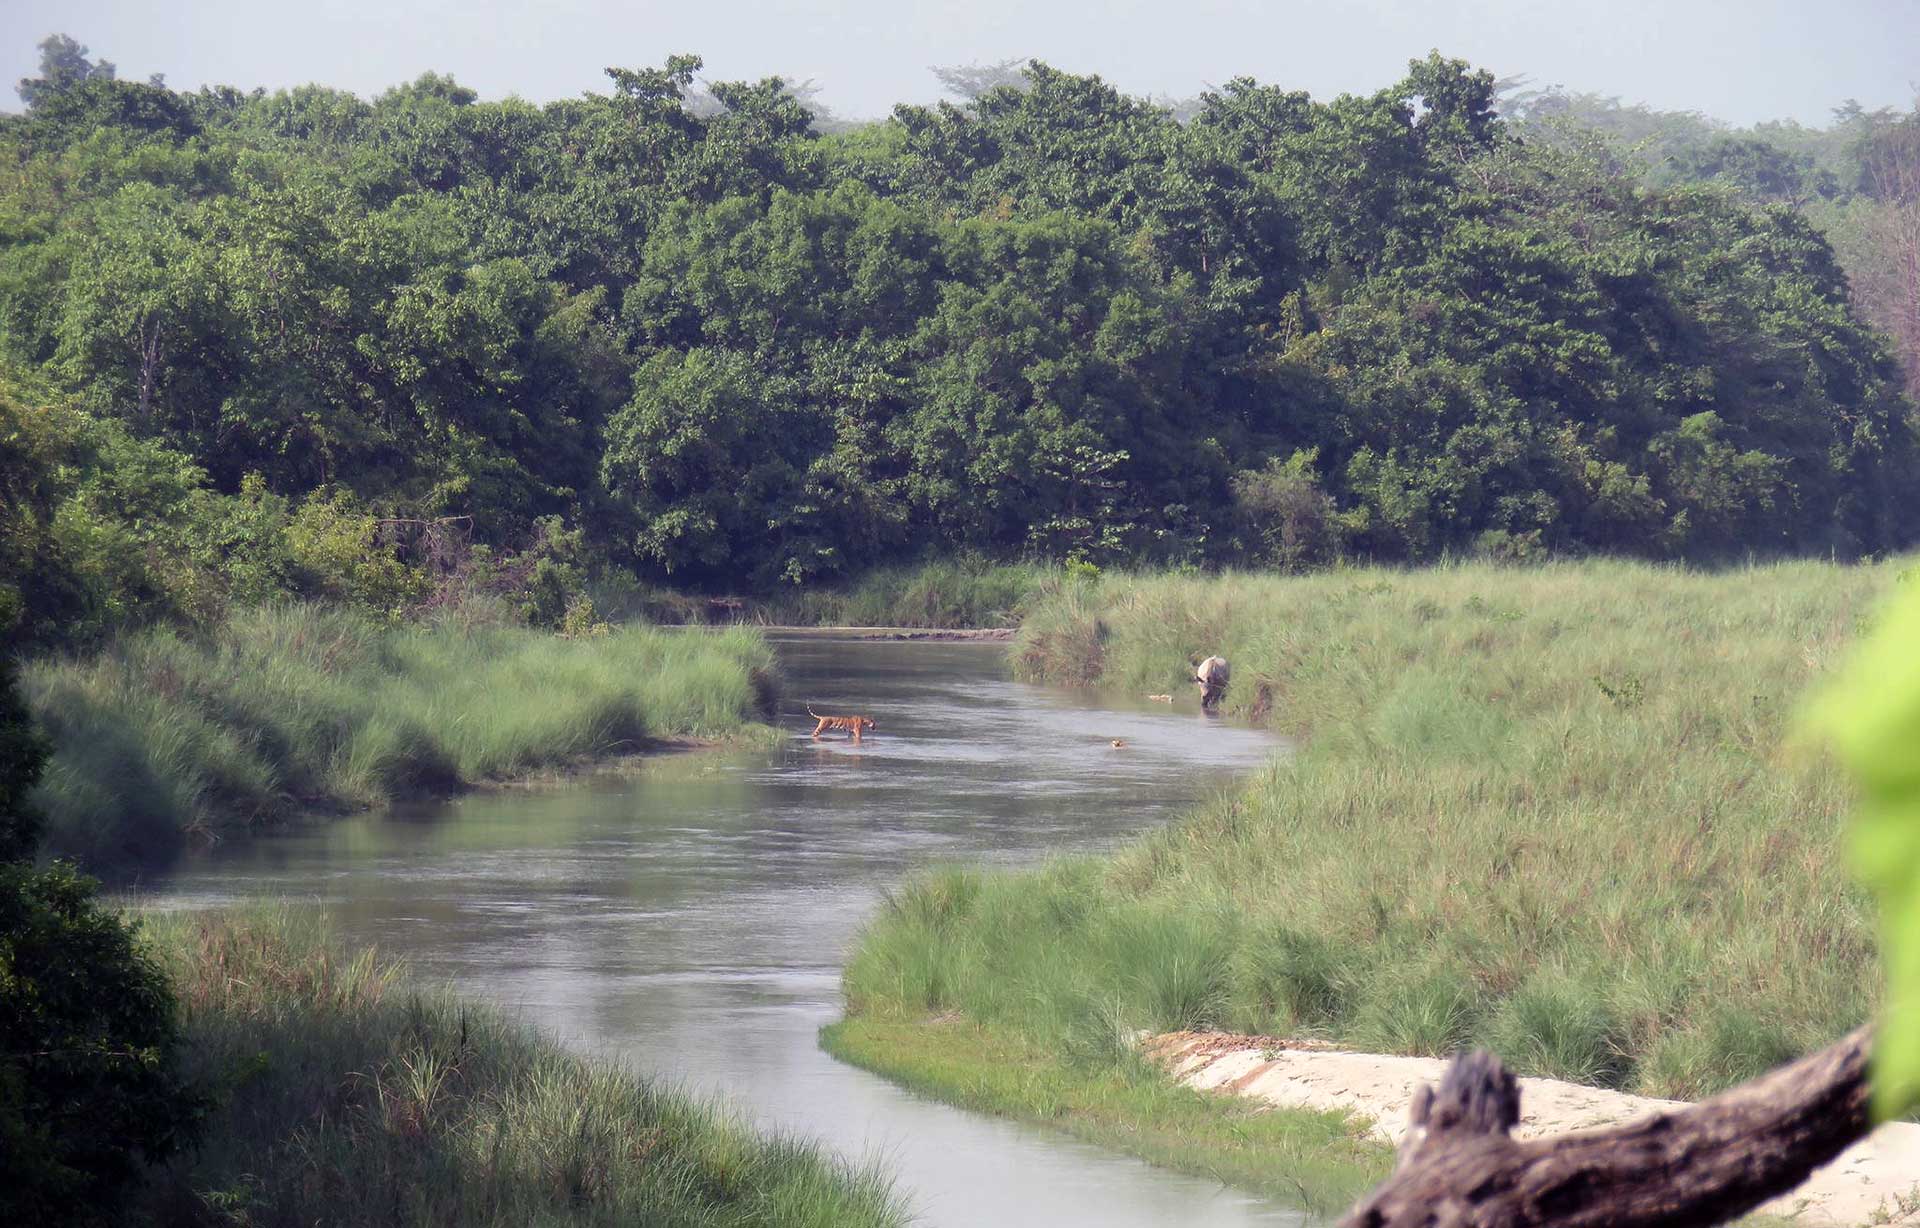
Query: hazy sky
(1739,60)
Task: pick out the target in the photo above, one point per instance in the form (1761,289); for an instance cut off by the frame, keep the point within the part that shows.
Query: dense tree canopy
(704,340)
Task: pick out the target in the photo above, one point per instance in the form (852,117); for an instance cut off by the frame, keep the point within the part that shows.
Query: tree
(1289,520)
(709,455)
(972,81)
(1759,168)
(1050,319)
(1884,241)
(63,65)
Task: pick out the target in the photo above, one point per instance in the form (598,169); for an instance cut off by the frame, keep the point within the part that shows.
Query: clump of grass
(1730,1044)
(164,735)
(1634,881)
(1555,1027)
(1178,964)
(1293,981)
(343,1095)
(1434,1012)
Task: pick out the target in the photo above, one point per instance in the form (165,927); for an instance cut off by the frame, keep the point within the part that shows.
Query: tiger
(852,724)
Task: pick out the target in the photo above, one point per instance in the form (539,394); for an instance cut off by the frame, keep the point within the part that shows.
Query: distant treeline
(299,342)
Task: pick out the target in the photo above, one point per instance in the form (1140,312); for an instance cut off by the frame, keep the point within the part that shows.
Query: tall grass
(1554,811)
(165,734)
(342,1096)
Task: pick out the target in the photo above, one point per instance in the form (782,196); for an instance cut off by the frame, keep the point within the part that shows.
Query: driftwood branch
(1704,1164)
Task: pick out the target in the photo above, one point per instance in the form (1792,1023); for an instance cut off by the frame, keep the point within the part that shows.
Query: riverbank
(341,1094)
(166,736)
(1556,812)
(1319,1160)
(1871,1182)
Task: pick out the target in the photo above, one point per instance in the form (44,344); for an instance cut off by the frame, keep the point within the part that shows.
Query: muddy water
(693,918)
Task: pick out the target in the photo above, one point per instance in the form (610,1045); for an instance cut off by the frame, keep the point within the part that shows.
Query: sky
(1737,60)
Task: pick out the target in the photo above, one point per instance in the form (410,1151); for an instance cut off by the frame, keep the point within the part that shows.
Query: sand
(1875,1181)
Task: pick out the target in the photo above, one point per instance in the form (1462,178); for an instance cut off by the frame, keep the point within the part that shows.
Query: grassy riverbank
(1553,811)
(1318,1161)
(341,1095)
(166,734)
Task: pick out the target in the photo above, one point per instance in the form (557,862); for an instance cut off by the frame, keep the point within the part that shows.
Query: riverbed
(691,917)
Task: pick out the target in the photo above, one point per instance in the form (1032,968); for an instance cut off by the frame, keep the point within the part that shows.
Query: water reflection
(693,917)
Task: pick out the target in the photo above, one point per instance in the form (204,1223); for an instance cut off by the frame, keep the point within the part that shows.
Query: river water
(692,918)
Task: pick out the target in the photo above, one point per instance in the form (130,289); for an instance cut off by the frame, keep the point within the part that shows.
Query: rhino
(1211,677)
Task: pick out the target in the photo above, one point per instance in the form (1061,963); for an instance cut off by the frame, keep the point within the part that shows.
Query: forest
(299,343)
(304,395)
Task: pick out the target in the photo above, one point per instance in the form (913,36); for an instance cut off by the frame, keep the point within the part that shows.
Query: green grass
(1554,811)
(343,1096)
(164,734)
(1317,1161)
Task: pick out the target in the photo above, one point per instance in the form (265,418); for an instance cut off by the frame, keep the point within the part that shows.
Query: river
(692,917)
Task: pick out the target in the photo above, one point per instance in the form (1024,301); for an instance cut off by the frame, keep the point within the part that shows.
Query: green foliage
(23,756)
(1291,522)
(1872,715)
(1050,322)
(335,544)
(965,591)
(88,1085)
(88,1041)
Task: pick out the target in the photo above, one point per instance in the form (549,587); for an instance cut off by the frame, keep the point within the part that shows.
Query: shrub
(88,1045)
(88,1036)
(335,543)
(1288,521)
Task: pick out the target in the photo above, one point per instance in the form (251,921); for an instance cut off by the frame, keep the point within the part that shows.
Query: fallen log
(1705,1164)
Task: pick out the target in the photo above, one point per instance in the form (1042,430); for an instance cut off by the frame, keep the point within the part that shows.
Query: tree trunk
(1703,1164)
(149,368)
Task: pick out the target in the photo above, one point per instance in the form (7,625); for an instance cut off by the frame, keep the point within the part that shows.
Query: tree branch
(1700,1165)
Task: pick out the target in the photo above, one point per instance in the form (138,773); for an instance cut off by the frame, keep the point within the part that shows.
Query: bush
(1287,520)
(88,1035)
(335,542)
(87,1085)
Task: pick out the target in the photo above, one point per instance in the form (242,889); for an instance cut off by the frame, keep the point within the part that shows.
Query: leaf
(1871,713)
